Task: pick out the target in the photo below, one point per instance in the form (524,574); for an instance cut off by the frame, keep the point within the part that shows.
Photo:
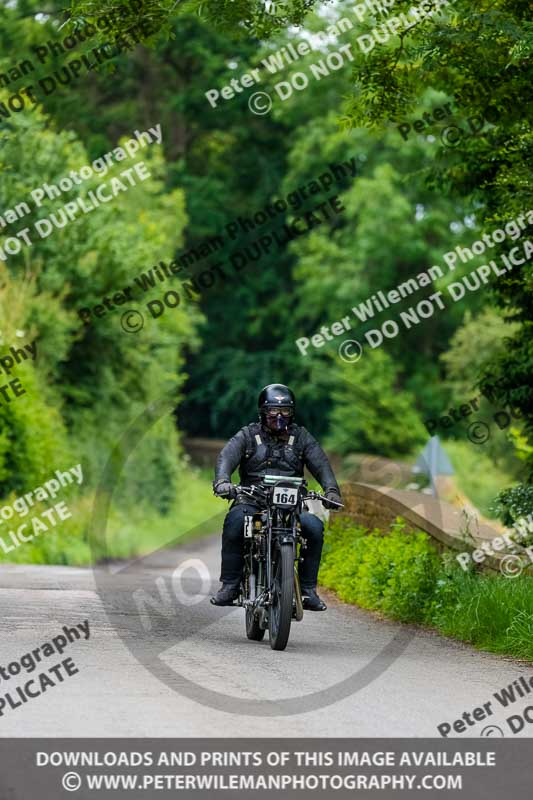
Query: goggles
(283,410)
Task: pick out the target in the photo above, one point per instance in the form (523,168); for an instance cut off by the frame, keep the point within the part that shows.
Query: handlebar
(317,496)
(258,492)
(251,491)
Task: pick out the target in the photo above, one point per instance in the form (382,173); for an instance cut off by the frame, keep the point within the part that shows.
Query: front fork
(300,544)
(299,610)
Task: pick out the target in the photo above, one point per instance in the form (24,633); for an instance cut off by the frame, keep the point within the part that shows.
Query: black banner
(205,768)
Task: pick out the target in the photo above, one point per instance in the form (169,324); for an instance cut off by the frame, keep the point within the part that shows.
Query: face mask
(277,423)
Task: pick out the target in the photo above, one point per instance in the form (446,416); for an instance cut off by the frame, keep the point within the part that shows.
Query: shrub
(511,504)
(400,574)
(395,573)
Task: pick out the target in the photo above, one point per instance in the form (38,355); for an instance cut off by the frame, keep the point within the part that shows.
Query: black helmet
(276,396)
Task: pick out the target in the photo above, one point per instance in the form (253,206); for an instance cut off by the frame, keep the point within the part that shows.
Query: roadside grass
(492,612)
(130,532)
(401,574)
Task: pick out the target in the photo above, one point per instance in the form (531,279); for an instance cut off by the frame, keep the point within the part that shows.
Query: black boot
(312,601)
(227,593)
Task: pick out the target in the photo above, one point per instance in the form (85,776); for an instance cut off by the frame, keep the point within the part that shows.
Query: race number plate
(285,496)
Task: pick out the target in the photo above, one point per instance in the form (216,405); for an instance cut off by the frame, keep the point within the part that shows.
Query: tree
(259,18)
(480,57)
(464,364)
(370,413)
(90,380)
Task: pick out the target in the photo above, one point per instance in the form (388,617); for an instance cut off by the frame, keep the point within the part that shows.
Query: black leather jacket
(257,451)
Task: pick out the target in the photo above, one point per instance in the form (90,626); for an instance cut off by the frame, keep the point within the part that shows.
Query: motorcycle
(270,589)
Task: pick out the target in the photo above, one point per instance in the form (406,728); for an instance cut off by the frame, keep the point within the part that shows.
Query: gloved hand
(225,489)
(332,494)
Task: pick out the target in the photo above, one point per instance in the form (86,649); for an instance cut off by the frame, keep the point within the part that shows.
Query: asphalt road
(177,666)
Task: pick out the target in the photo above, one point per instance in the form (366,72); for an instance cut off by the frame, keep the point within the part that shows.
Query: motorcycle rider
(275,445)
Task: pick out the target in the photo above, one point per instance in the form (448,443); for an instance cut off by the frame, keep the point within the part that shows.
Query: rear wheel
(282,591)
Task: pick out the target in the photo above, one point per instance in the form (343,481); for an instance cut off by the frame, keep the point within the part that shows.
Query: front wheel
(282,590)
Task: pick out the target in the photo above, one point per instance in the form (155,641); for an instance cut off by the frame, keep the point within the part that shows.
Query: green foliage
(32,432)
(88,382)
(509,380)
(465,365)
(511,504)
(400,574)
(240,17)
(493,613)
(236,169)
(393,573)
(372,413)
(394,226)
(122,19)
(480,58)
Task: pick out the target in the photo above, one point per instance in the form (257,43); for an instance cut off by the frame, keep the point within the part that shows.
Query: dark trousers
(233,545)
